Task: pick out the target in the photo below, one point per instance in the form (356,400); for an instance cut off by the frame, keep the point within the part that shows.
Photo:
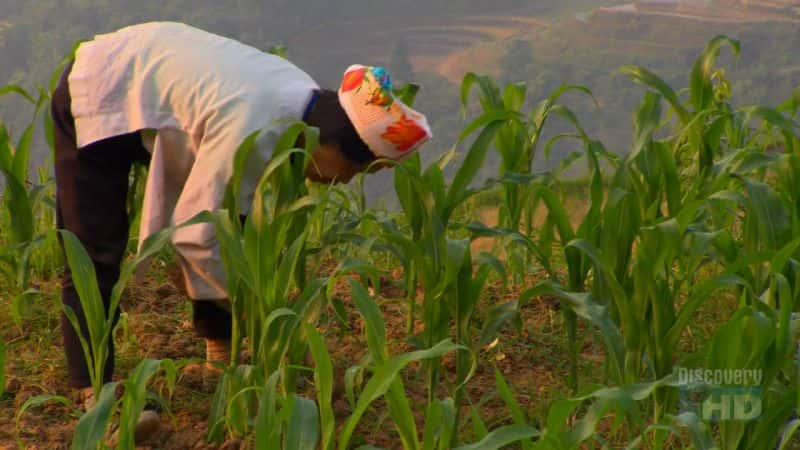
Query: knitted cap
(390,128)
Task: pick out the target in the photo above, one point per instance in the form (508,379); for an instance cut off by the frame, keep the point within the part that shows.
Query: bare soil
(156,324)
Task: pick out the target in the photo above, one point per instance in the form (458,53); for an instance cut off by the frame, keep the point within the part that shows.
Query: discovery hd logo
(722,394)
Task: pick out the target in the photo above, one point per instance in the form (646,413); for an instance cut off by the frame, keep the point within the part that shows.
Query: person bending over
(182,100)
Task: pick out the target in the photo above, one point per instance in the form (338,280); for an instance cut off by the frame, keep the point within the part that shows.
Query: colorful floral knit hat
(390,129)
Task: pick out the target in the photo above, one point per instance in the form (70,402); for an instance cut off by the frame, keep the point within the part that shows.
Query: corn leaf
(503,436)
(303,429)
(382,380)
(702,91)
(267,424)
(91,429)
(19,207)
(17,89)
(133,401)
(323,381)
(37,401)
(470,167)
(651,80)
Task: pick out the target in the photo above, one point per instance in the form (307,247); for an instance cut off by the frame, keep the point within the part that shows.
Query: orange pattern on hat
(380,98)
(353,79)
(404,134)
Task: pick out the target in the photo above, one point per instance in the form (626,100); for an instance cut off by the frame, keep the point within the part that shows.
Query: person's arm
(204,190)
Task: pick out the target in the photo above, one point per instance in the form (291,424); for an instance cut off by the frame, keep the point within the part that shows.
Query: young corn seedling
(523,191)
(639,188)
(99,319)
(665,231)
(100,322)
(22,201)
(441,416)
(517,142)
(265,259)
(558,219)
(296,422)
(92,430)
(29,207)
(443,265)
(265,319)
(759,339)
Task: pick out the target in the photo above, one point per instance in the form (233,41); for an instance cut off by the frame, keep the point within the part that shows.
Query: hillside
(730,11)
(589,49)
(575,44)
(546,45)
(430,45)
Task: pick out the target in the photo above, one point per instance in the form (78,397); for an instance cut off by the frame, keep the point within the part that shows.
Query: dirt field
(156,324)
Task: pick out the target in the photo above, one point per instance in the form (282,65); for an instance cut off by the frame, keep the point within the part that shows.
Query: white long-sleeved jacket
(195,96)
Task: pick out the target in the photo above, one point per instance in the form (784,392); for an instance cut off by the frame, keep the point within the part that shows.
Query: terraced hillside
(736,11)
(588,49)
(584,43)
(454,46)
(438,45)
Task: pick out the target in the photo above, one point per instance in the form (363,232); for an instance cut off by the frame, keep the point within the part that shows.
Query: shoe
(147,425)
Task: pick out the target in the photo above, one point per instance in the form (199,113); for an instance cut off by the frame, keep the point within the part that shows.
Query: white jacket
(195,96)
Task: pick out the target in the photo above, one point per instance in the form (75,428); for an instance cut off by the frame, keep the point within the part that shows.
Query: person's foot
(206,374)
(84,398)
(218,350)
(147,425)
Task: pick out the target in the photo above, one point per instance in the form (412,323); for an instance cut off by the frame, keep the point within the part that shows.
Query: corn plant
(517,143)
(646,179)
(759,337)
(442,264)
(669,220)
(297,422)
(29,204)
(22,201)
(441,417)
(92,430)
(385,369)
(273,241)
(261,260)
(99,319)
(558,223)
(522,191)
(265,260)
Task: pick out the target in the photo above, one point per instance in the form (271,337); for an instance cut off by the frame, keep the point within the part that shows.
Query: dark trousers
(91,202)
